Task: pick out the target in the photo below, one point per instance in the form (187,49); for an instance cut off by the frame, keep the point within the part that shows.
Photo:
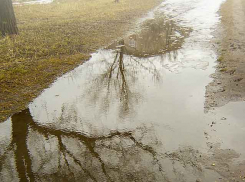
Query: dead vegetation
(53,39)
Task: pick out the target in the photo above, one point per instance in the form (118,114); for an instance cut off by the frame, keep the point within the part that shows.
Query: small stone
(238,79)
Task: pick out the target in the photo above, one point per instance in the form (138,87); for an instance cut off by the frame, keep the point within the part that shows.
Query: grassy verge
(53,39)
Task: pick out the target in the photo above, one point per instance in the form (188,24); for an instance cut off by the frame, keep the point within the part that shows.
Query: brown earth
(229,79)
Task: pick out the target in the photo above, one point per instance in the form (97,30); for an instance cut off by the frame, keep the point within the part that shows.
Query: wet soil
(229,79)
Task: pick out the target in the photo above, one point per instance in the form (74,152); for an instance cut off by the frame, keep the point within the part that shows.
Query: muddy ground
(229,79)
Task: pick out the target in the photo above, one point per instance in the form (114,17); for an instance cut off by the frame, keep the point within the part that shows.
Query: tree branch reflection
(28,168)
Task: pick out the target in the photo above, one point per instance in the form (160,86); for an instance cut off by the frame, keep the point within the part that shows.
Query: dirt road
(229,78)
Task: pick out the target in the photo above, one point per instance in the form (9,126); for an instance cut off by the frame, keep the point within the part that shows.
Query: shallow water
(133,112)
(33,2)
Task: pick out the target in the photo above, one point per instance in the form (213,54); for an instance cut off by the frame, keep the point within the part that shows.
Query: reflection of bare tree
(20,124)
(122,71)
(156,37)
(118,80)
(75,151)
(44,153)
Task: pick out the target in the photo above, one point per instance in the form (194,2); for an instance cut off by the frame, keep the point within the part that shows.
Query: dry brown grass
(53,39)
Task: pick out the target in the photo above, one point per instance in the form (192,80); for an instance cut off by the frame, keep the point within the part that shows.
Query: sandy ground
(229,79)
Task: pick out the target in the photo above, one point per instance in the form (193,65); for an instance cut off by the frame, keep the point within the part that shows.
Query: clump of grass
(220,59)
(223,70)
(53,39)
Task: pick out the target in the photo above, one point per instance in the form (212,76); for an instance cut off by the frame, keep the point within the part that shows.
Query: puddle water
(133,112)
(33,2)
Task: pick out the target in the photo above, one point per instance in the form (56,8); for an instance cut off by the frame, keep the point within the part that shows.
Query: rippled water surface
(133,112)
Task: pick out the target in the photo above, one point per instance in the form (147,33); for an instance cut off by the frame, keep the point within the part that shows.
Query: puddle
(33,2)
(133,112)
(155,37)
(229,126)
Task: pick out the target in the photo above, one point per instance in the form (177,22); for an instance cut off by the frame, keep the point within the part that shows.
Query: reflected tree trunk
(69,160)
(20,126)
(7,18)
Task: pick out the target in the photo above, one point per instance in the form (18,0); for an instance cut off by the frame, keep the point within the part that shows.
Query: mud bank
(229,79)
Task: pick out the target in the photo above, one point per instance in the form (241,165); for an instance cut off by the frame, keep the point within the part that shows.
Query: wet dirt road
(134,111)
(229,77)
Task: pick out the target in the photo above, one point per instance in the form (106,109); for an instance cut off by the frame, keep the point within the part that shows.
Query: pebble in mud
(206,135)
(238,79)
(213,123)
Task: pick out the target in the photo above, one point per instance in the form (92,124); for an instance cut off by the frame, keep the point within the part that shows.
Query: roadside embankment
(55,38)
(229,79)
